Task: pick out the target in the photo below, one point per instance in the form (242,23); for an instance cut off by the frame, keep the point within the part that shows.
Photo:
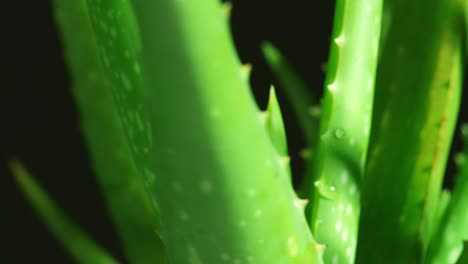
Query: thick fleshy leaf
(413,123)
(208,139)
(130,206)
(118,44)
(222,192)
(345,128)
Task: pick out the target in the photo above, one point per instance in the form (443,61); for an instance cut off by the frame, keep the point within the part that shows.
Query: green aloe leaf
(80,246)
(134,214)
(118,42)
(303,103)
(274,124)
(296,90)
(447,243)
(275,129)
(413,123)
(230,199)
(345,128)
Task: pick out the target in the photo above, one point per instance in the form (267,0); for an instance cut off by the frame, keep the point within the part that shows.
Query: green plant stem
(413,123)
(118,44)
(130,206)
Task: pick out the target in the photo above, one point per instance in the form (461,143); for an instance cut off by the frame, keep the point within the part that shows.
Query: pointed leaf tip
(296,92)
(272,99)
(275,125)
(74,240)
(270,52)
(18,171)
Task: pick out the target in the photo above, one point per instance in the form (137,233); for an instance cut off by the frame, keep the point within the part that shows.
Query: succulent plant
(193,171)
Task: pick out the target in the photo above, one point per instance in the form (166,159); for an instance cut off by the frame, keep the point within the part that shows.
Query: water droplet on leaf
(325,191)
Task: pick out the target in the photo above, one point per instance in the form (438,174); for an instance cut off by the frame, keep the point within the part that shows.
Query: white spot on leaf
(292,246)
(251,193)
(206,186)
(338,226)
(345,234)
(183,215)
(339,40)
(258,213)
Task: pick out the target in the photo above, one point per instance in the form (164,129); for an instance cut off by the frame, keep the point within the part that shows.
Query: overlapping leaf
(413,123)
(134,214)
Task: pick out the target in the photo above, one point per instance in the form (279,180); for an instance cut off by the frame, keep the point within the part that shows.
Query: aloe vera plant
(193,171)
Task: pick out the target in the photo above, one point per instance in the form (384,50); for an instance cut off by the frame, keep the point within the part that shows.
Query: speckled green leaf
(345,128)
(118,42)
(222,193)
(413,122)
(82,248)
(134,215)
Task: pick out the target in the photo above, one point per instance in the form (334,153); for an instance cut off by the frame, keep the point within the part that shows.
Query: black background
(39,124)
